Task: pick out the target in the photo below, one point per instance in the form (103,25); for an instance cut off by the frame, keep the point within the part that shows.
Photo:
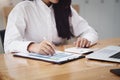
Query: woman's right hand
(45,48)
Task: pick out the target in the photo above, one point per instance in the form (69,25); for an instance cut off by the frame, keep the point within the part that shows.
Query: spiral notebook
(59,57)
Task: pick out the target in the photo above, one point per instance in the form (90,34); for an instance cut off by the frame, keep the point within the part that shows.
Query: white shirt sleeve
(82,29)
(14,35)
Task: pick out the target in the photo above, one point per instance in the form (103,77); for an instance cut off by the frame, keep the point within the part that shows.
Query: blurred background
(102,15)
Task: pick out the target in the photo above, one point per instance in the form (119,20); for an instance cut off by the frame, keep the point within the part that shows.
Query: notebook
(79,50)
(59,57)
(109,53)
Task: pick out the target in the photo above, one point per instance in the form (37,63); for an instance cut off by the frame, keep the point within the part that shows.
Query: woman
(36,25)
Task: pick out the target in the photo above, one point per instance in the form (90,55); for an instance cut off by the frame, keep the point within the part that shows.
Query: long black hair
(62,12)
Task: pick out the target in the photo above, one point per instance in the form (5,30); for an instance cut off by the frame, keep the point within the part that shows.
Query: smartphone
(115,71)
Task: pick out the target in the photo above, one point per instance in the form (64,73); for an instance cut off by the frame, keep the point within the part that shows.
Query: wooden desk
(15,68)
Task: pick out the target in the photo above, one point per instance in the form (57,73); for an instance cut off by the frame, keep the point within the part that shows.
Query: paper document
(78,50)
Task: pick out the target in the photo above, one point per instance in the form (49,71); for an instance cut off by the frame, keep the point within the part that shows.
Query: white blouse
(32,21)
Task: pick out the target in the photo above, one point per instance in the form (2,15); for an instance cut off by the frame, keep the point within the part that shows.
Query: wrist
(31,47)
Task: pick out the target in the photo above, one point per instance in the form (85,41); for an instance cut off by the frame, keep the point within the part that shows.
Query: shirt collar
(43,5)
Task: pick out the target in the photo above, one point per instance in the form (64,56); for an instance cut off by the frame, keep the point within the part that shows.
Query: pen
(50,43)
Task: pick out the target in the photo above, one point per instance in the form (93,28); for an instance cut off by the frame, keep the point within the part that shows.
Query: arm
(14,35)
(87,36)
(15,40)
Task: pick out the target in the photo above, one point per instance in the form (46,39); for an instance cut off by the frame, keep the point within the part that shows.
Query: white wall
(103,15)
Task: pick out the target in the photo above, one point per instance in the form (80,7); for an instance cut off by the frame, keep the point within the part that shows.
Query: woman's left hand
(82,42)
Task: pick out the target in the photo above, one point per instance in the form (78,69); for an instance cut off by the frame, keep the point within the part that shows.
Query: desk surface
(15,68)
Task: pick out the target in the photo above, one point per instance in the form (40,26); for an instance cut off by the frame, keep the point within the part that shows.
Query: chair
(76,7)
(2,34)
(6,11)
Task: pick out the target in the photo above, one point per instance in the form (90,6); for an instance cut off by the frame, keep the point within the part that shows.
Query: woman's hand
(45,47)
(82,42)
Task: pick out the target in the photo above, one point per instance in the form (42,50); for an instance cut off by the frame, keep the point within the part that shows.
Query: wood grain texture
(16,68)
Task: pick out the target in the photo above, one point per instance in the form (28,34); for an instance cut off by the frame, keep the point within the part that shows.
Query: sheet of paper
(78,50)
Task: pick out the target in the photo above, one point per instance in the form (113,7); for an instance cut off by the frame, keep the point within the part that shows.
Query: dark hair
(62,13)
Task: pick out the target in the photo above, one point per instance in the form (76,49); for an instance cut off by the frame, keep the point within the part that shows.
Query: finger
(84,42)
(43,52)
(78,42)
(52,46)
(46,48)
(81,43)
(47,52)
(49,49)
(88,44)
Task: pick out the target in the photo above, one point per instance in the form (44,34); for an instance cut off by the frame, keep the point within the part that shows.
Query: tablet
(59,57)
